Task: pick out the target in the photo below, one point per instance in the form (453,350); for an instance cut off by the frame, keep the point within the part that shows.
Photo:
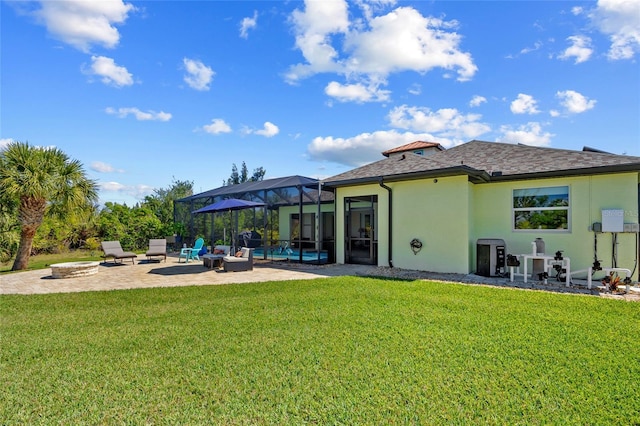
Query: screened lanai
(296,224)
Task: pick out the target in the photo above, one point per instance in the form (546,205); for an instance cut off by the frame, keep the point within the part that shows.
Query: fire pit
(74,269)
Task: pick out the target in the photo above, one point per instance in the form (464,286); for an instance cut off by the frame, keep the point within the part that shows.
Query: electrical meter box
(612,220)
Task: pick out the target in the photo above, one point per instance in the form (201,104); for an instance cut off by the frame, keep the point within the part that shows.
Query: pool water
(291,254)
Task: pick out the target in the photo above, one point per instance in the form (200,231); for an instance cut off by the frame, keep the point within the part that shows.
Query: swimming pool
(292,255)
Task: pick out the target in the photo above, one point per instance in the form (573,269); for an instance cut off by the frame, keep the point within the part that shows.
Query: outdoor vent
(589,149)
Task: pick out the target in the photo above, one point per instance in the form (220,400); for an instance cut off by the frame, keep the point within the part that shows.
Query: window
(541,208)
(419,152)
(308,226)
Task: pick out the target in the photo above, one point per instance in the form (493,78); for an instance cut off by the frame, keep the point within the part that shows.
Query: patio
(148,274)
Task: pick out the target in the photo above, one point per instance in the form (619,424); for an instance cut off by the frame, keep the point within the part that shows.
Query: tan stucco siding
(492,218)
(435,211)
(450,214)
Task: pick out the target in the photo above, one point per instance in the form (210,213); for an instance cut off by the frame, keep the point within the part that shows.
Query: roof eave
(623,168)
(476,176)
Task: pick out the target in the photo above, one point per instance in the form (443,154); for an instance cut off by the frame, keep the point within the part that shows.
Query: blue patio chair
(191,252)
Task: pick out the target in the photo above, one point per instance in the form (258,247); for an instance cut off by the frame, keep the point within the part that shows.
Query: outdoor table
(211,260)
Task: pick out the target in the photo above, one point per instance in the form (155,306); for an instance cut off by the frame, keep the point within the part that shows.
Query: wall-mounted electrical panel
(612,220)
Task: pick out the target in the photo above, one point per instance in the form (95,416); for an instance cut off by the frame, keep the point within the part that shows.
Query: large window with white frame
(544,208)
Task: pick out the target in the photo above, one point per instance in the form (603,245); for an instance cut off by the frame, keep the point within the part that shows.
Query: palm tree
(43,181)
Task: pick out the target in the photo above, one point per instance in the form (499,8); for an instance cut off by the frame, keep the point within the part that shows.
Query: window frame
(566,208)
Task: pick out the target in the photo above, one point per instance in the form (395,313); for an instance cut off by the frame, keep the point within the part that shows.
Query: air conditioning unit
(490,257)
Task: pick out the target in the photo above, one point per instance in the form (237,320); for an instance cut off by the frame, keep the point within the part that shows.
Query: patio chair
(244,262)
(157,248)
(113,249)
(191,253)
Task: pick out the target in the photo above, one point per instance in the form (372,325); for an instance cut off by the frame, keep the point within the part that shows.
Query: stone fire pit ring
(74,269)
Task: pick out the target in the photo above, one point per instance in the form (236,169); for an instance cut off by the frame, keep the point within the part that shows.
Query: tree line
(49,205)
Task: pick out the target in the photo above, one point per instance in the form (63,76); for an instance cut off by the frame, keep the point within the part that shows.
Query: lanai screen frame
(274,193)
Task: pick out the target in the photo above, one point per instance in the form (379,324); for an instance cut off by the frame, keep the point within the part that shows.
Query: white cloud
(405,40)
(248,24)
(136,191)
(477,101)
(620,20)
(140,115)
(111,186)
(371,49)
(577,10)
(528,134)
(314,27)
(198,76)
(217,126)
(269,130)
(5,142)
(112,74)
(524,104)
(580,49)
(574,102)
(363,148)
(100,167)
(356,92)
(446,123)
(536,46)
(415,89)
(82,23)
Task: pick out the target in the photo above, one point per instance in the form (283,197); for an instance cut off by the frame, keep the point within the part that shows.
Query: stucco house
(446,200)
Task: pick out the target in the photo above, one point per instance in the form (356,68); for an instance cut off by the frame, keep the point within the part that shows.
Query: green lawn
(329,351)
(42,261)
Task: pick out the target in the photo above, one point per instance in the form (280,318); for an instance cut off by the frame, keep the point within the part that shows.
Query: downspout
(381,182)
(319,229)
(300,214)
(265,225)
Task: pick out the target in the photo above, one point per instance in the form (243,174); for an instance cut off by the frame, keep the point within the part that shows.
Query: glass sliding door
(361,242)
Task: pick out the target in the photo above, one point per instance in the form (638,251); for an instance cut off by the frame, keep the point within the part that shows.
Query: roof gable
(413,146)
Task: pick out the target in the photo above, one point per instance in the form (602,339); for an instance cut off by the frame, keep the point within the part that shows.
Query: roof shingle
(501,160)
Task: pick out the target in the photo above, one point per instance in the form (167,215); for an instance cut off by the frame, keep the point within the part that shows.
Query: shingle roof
(412,147)
(484,161)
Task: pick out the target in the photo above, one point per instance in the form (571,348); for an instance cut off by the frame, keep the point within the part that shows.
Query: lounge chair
(157,248)
(113,249)
(244,262)
(191,253)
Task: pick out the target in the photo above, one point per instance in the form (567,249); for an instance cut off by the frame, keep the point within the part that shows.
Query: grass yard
(42,261)
(348,350)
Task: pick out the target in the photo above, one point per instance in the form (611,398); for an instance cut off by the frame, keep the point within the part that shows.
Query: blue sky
(145,93)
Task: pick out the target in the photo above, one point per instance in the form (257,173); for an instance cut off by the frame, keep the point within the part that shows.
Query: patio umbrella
(229,205)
